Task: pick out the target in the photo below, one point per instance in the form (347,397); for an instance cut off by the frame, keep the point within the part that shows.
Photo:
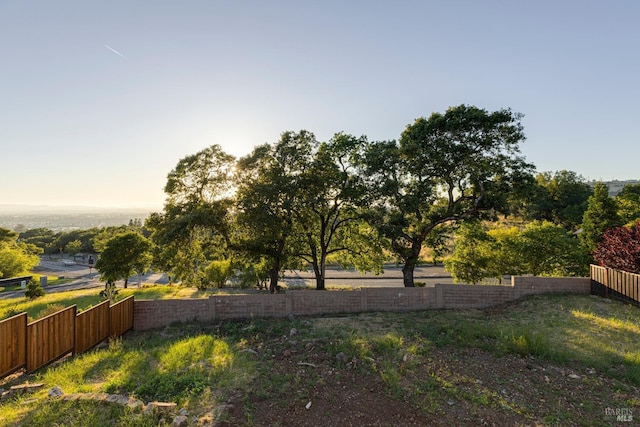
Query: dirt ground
(442,387)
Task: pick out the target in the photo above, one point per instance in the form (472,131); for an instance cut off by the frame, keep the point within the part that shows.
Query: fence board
(13,344)
(92,326)
(121,317)
(50,338)
(617,284)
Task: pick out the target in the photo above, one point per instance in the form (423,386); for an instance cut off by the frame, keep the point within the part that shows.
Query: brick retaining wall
(150,314)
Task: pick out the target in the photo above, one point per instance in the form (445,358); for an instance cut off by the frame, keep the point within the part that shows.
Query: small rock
(591,371)
(135,404)
(165,407)
(180,421)
(112,398)
(308,405)
(287,353)
(574,376)
(290,317)
(342,358)
(451,402)
(293,332)
(183,411)
(56,392)
(23,388)
(405,357)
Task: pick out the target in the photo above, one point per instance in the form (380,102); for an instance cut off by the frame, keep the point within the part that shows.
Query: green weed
(524,343)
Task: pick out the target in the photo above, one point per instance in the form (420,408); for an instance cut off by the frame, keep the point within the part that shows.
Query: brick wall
(150,314)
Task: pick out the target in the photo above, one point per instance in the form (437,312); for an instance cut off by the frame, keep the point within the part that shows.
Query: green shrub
(217,272)
(34,290)
(252,275)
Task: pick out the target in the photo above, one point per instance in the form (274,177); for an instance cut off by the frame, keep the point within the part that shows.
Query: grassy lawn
(547,360)
(51,280)
(85,299)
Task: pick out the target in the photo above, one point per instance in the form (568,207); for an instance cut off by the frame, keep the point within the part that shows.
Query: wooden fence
(32,345)
(13,344)
(617,284)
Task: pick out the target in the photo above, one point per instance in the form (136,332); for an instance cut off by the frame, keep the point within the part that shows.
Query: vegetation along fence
(32,345)
(617,284)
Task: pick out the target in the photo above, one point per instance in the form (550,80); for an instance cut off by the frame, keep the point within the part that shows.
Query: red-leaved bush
(620,249)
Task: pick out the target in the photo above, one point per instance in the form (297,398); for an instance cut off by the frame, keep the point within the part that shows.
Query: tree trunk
(407,274)
(274,275)
(411,261)
(319,273)
(126,281)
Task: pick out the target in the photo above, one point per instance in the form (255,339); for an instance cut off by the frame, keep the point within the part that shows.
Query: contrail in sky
(113,50)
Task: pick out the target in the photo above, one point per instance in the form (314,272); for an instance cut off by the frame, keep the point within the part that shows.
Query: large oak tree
(266,197)
(304,199)
(194,227)
(444,169)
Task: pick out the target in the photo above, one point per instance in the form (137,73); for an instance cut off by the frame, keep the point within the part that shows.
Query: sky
(100,100)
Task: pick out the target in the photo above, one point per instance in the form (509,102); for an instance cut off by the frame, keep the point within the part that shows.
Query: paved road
(391,277)
(85,277)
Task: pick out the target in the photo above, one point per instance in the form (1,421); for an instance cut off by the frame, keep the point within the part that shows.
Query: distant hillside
(66,218)
(615,186)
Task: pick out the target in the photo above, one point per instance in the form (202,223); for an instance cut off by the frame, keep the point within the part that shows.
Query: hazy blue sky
(100,99)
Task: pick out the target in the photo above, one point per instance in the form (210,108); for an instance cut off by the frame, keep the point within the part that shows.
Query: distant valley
(67,218)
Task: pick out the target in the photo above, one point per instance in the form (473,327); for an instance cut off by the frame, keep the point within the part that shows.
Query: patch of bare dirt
(437,387)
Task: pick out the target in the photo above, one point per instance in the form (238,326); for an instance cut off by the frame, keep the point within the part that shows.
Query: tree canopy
(304,199)
(629,203)
(16,257)
(601,214)
(266,198)
(538,248)
(620,248)
(123,256)
(195,221)
(448,168)
(300,202)
(560,197)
